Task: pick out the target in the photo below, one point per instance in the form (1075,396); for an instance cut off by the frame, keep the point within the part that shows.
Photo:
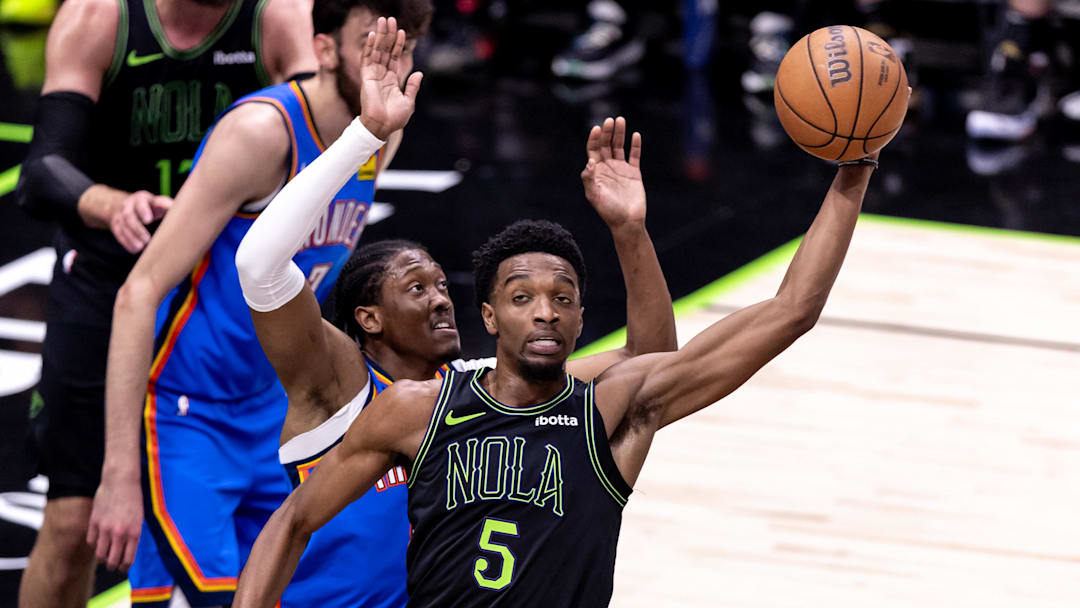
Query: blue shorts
(211,479)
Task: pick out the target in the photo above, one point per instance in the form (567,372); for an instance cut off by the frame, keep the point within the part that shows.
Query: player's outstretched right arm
(226,176)
(285,312)
(392,426)
(658,389)
(52,184)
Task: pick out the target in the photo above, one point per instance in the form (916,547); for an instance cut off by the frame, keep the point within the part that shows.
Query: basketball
(841,93)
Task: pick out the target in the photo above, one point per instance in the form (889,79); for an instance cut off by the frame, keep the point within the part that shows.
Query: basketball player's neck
(187,23)
(329,110)
(509,386)
(398,366)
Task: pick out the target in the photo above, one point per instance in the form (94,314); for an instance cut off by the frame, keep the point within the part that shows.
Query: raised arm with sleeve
(285,313)
(614,187)
(649,392)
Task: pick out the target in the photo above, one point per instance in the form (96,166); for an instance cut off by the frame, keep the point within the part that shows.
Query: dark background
(725,185)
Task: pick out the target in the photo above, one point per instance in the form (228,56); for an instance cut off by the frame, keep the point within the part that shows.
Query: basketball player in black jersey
(130,88)
(518,474)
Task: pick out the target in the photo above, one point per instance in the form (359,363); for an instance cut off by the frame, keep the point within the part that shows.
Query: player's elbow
(28,191)
(300,522)
(248,265)
(138,293)
(799,315)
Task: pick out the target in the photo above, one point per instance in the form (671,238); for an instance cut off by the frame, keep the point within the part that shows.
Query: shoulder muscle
(246,154)
(80,46)
(397,419)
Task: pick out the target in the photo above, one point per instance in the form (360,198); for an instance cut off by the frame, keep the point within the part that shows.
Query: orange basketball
(841,93)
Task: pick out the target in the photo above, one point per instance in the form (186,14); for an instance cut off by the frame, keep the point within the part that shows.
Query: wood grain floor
(920,447)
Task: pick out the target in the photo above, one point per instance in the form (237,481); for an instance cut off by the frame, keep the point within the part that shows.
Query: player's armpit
(646,393)
(723,357)
(315,361)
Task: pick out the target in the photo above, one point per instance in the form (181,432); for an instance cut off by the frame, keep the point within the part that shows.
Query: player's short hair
(413,16)
(361,280)
(524,236)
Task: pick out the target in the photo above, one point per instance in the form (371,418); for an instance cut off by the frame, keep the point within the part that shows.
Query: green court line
(700,299)
(12,132)
(703,297)
(8,179)
(969,229)
(781,255)
(116,596)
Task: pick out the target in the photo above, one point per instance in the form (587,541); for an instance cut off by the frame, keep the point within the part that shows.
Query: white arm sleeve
(268,276)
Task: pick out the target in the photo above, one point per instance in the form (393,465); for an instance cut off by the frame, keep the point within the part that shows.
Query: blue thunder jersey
(206,344)
(358,558)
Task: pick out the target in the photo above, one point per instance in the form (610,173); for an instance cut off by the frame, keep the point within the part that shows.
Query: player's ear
(487,311)
(326,51)
(580,323)
(369,318)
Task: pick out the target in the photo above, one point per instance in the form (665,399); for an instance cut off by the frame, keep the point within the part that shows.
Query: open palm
(385,108)
(613,183)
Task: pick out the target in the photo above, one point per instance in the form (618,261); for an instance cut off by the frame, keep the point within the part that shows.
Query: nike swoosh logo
(451,420)
(133,61)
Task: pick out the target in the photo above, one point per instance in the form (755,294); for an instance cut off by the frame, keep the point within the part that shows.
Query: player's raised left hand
(612,179)
(384,107)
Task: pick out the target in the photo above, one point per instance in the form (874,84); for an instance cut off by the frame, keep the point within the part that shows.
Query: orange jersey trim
(294,167)
(180,319)
(304,470)
(157,491)
(295,86)
(151,594)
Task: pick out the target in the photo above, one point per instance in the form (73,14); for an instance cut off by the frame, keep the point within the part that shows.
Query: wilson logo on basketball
(839,68)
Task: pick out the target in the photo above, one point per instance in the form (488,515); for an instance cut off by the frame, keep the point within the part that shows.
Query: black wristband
(869,162)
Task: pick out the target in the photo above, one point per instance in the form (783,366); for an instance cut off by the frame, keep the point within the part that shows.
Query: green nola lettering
(173,112)
(493,471)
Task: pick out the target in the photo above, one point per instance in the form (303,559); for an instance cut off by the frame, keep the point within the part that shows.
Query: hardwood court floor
(919,447)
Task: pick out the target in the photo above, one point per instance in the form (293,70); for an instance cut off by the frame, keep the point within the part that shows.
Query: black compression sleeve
(51,181)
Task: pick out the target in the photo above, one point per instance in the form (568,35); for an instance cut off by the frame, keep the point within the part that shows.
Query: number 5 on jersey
(506,572)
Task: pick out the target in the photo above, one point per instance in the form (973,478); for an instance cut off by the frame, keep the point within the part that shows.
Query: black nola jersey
(156,104)
(513,506)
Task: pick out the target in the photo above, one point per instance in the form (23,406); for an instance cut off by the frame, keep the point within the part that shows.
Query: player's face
(417,314)
(535,313)
(350,48)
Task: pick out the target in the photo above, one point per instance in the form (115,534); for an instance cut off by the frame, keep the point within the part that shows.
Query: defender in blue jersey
(396,320)
(209,404)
